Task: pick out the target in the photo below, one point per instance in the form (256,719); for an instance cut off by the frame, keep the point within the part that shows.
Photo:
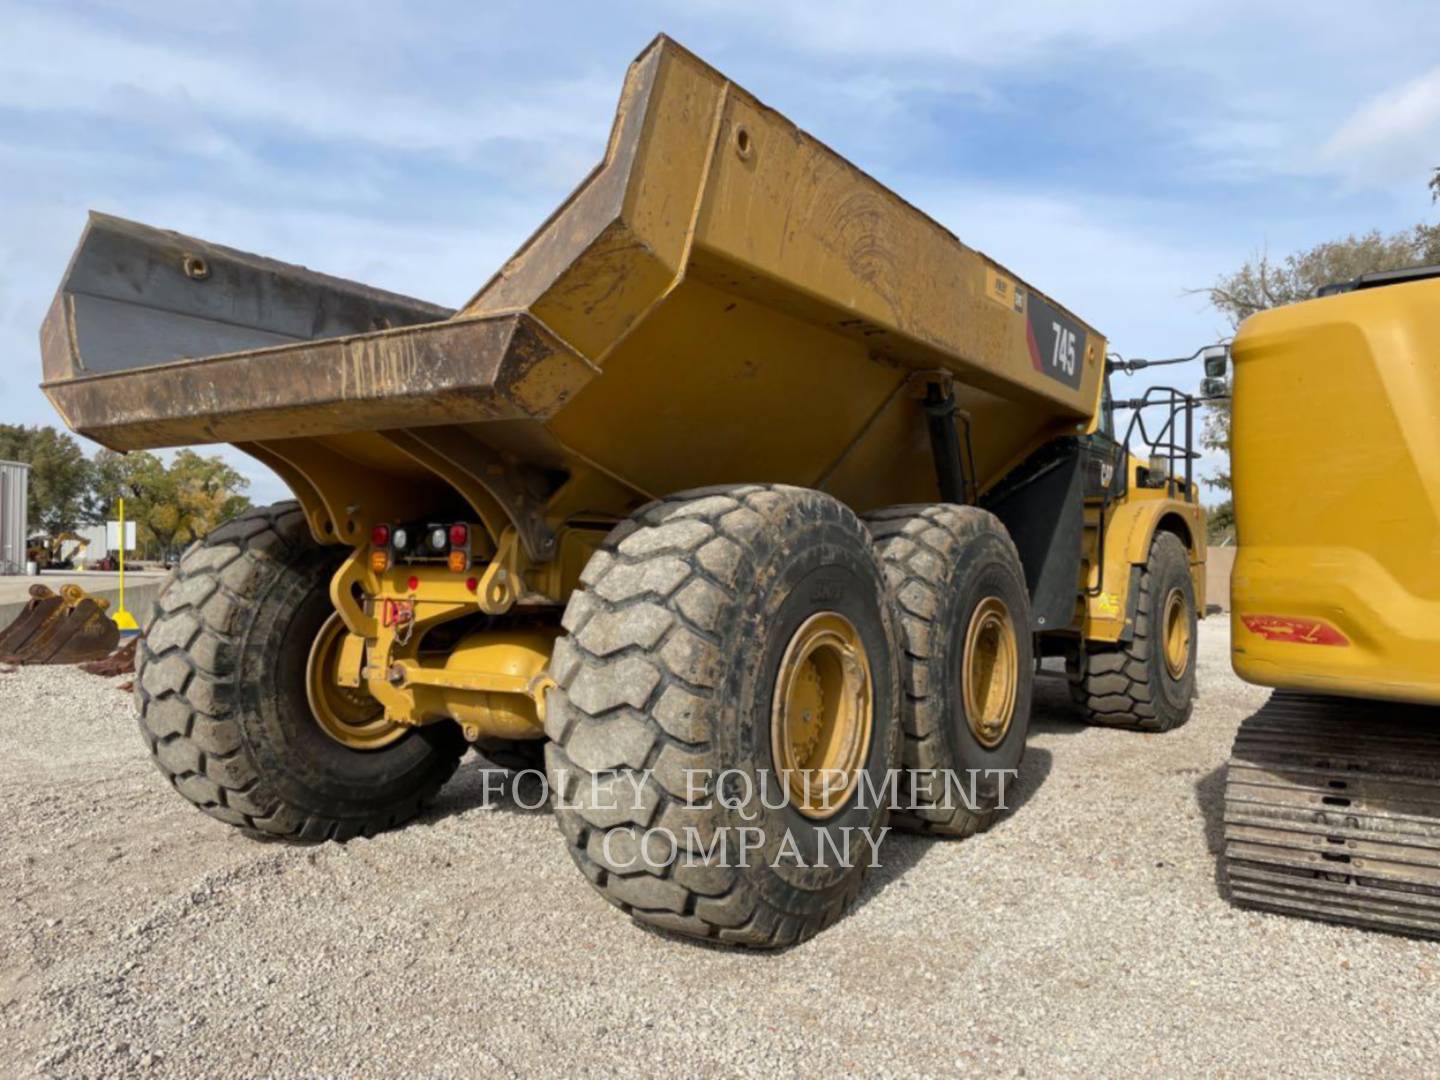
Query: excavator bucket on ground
(59,628)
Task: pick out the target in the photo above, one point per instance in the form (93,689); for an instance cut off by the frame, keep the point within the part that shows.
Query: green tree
(60,475)
(207,492)
(170,504)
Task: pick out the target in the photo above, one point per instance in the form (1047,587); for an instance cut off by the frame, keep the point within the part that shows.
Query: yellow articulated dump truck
(740,468)
(1332,797)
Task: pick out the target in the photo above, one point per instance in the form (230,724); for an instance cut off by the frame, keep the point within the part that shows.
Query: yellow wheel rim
(990,671)
(822,714)
(1177,633)
(349,715)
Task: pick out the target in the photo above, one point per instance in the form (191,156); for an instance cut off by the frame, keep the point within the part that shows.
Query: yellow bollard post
(123,619)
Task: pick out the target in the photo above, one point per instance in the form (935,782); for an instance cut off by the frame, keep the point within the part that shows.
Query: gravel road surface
(1085,934)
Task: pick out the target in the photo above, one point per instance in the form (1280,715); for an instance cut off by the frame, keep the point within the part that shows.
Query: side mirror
(1212,387)
(1217,359)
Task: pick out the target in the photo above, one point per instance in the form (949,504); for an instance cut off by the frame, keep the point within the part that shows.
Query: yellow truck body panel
(1336,464)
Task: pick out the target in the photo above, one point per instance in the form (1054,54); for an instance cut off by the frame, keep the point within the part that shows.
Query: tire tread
(184,689)
(659,584)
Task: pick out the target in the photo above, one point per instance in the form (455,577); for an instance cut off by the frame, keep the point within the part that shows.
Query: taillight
(380,536)
(459,560)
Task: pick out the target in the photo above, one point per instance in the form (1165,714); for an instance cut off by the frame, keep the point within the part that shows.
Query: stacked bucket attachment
(59,628)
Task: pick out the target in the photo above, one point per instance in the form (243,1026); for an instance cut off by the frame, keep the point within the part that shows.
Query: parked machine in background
(59,552)
(1332,798)
(741,464)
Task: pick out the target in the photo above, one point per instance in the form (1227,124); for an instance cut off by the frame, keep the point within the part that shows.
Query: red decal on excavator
(1298,631)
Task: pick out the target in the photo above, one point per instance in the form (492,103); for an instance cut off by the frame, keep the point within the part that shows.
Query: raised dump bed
(722,280)
(724,304)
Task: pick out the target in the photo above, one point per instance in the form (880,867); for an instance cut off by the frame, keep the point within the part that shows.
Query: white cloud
(1393,136)
(103,71)
(987,34)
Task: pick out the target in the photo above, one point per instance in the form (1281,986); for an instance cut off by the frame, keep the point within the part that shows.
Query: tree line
(171,503)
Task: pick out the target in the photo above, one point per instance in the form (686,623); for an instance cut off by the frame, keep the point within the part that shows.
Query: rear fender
(1130,529)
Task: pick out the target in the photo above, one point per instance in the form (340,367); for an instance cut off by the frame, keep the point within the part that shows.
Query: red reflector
(459,535)
(472,583)
(413,584)
(380,535)
(1298,631)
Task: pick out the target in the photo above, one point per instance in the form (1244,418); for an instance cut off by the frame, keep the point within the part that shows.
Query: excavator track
(1332,811)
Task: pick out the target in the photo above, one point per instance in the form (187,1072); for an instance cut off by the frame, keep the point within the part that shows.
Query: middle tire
(968,664)
(722,644)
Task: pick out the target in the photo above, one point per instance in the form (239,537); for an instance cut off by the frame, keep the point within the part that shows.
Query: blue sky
(1117,154)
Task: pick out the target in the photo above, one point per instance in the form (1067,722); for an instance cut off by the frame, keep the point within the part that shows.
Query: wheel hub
(822,714)
(1177,633)
(349,715)
(990,671)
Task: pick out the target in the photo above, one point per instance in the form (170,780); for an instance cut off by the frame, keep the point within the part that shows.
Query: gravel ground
(1084,934)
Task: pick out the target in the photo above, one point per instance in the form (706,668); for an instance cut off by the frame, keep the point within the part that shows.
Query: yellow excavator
(58,552)
(1332,795)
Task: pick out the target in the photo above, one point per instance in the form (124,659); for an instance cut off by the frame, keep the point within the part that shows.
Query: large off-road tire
(1148,682)
(685,623)
(220,682)
(964,614)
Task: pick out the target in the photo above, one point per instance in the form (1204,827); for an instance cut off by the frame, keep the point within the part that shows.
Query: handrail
(1163,445)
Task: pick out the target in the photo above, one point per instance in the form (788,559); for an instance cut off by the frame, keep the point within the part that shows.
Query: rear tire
(676,641)
(1147,683)
(220,682)
(945,564)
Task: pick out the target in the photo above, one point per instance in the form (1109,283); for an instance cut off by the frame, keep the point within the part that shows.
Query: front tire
(220,683)
(1148,682)
(721,643)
